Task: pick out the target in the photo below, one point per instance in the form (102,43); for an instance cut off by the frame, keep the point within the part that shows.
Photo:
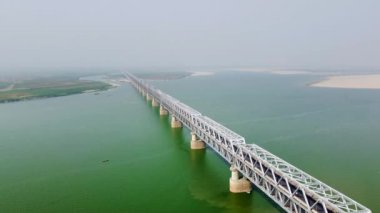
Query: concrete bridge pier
(196,143)
(176,123)
(163,111)
(148,97)
(239,185)
(154,103)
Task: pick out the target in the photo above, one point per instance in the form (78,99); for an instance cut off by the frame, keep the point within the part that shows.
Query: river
(112,152)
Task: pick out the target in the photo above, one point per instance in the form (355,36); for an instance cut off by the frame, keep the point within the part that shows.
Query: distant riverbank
(45,87)
(202,73)
(27,87)
(10,87)
(350,82)
(163,75)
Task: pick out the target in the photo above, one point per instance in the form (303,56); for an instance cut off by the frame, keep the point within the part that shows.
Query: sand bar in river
(351,82)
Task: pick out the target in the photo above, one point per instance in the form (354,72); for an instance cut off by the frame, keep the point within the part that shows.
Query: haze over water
(112,152)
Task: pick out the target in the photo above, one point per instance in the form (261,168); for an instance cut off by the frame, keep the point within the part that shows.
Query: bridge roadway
(291,188)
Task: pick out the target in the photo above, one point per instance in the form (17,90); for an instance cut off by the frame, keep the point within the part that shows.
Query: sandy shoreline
(275,71)
(204,73)
(350,82)
(10,87)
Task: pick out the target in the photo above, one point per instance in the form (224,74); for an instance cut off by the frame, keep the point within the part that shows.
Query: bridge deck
(290,187)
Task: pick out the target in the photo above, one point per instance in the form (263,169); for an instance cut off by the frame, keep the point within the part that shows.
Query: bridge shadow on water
(210,183)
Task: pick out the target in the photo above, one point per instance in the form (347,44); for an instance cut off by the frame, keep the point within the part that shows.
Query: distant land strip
(47,87)
(371,81)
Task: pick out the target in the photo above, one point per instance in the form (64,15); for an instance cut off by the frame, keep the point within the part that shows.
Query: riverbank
(350,82)
(275,71)
(202,73)
(163,76)
(48,87)
(10,87)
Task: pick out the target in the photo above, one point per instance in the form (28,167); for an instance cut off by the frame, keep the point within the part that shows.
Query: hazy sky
(122,33)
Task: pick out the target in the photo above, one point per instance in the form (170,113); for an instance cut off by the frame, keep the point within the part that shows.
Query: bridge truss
(291,188)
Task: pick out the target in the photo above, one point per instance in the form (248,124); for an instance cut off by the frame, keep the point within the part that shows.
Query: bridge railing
(290,187)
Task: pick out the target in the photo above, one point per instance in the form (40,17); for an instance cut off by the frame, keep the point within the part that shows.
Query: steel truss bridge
(291,188)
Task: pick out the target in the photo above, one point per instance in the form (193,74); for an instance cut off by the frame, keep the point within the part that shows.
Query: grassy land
(48,87)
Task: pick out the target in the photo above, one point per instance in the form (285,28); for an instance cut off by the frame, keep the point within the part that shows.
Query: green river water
(112,152)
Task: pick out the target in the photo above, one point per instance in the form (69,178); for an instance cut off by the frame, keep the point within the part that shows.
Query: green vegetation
(48,87)
(26,87)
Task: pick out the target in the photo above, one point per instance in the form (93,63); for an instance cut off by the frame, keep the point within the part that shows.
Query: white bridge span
(288,186)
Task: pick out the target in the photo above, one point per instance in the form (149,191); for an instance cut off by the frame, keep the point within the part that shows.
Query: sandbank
(204,73)
(274,71)
(350,82)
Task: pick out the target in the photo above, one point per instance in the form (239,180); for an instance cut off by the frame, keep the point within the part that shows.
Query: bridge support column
(239,185)
(163,111)
(154,103)
(196,143)
(148,97)
(176,123)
